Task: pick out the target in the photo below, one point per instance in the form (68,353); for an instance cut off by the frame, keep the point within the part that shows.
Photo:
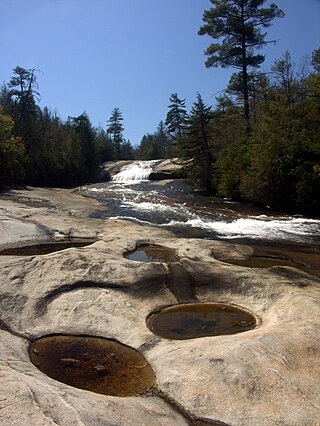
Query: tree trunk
(245,77)
(245,91)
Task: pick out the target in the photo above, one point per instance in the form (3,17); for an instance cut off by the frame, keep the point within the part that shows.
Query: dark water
(176,206)
(42,248)
(152,253)
(192,320)
(95,364)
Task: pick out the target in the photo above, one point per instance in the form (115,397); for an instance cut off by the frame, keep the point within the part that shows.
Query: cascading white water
(135,172)
(173,205)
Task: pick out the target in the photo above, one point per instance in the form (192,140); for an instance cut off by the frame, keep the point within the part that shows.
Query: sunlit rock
(265,375)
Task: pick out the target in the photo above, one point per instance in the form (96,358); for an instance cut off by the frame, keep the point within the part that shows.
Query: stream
(174,205)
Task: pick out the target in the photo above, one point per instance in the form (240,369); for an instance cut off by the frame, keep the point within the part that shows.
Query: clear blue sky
(99,54)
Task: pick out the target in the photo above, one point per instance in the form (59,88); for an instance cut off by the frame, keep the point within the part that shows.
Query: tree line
(38,148)
(278,164)
(261,143)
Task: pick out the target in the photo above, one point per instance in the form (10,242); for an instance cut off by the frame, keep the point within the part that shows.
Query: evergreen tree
(146,148)
(104,146)
(161,141)
(154,146)
(315,62)
(258,87)
(284,74)
(127,151)
(114,131)
(238,23)
(279,166)
(23,90)
(195,146)
(11,152)
(49,161)
(176,118)
(86,139)
(25,112)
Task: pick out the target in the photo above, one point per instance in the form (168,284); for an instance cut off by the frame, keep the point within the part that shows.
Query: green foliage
(161,141)
(115,132)
(176,119)
(11,152)
(24,110)
(154,146)
(103,146)
(238,25)
(127,151)
(146,149)
(231,166)
(37,148)
(194,147)
(278,165)
(316,60)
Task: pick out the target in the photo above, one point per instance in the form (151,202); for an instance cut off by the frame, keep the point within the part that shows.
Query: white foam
(132,219)
(147,206)
(135,172)
(96,189)
(291,228)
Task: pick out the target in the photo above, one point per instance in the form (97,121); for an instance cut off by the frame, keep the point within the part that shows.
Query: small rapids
(135,172)
(176,206)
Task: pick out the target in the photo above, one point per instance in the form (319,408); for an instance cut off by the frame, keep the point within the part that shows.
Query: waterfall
(135,172)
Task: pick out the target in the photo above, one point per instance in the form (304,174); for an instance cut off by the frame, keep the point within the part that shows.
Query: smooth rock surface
(167,169)
(162,169)
(266,376)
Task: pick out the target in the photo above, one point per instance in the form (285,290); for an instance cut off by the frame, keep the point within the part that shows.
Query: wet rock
(101,175)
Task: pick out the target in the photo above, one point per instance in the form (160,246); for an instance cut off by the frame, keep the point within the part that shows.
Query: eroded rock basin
(42,248)
(152,253)
(96,364)
(265,376)
(193,320)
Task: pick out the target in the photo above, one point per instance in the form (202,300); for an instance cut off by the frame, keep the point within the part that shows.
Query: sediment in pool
(193,320)
(95,364)
(264,262)
(43,248)
(152,253)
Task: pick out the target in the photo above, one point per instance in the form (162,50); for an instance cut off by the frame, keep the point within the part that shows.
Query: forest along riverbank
(174,205)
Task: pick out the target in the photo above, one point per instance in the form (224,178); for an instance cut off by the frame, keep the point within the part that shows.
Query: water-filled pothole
(192,320)
(96,364)
(152,253)
(264,262)
(43,248)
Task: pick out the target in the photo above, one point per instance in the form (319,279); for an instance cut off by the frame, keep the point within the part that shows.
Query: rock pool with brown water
(43,248)
(95,364)
(152,253)
(192,320)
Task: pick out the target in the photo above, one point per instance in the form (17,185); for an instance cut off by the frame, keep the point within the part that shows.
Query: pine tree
(195,146)
(23,90)
(237,23)
(85,136)
(114,131)
(161,141)
(176,118)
